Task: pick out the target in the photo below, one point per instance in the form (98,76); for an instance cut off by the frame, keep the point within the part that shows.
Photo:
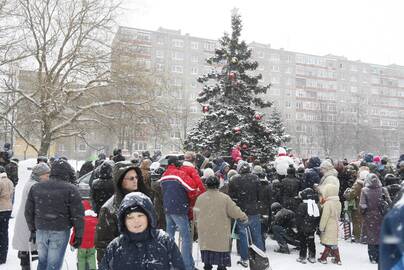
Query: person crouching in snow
(140,245)
(329,223)
(86,251)
(214,211)
(307,219)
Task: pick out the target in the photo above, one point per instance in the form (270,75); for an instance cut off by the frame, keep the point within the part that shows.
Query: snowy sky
(366,30)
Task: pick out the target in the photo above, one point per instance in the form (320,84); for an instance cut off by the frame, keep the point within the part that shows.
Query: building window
(275,68)
(194,45)
(210,46)
(260,54)
(82,147)
(61,147)
(139,146)
(159,67)
(175,134)
(177,56)
(194,59)
(177,69)
(178,43)
(275,58)
(194,70)
(159,54)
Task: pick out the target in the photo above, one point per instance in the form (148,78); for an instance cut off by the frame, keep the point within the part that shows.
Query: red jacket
(236,154)
(196,184)
(90,222)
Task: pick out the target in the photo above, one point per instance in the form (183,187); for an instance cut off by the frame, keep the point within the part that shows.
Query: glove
(77,242)
(244,222)
(32,237)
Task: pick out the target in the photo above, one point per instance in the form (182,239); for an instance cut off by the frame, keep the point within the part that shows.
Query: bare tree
(68,44)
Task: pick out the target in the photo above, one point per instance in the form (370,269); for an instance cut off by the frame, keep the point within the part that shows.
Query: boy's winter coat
(90,223)
(305,223)
(157,251)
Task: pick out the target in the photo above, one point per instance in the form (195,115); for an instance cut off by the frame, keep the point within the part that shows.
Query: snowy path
(353,256)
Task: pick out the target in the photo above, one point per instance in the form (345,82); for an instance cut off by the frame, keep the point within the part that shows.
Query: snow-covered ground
(353,256)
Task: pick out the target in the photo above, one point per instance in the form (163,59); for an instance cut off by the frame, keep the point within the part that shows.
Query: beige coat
(214,211)
(6,193)
(329,222)
(329,178)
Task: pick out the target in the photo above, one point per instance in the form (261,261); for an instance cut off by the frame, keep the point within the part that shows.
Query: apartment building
(331,106)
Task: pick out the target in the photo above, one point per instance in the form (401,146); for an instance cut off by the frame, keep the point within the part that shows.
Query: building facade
(331,106)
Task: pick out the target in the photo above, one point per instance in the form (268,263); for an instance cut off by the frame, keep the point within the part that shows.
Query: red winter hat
(377,159)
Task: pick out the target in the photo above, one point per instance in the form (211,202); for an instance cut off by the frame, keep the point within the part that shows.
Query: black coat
(244,191)
(284,218)
(290,187)
(155,250)
(305,223)
(54,205)
(265,197)
(101,190)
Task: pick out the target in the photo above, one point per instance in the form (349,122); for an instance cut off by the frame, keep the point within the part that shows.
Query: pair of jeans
(254,224)
(4,220)
(51,248)
(86,259)
(279,235)
(181,223)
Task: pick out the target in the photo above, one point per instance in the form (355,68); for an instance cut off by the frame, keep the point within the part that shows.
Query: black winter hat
(173,160)
(307,194)
(62,170)
(212,182)
(2,170)
(275,207)
(291,170)
(42,159)
(106,169)
(136,208)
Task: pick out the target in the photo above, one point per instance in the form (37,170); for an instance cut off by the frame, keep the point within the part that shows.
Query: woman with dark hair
(127,178)
(214,211)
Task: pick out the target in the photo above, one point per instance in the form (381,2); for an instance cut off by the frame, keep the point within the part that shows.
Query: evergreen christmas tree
(229,99)
(278,128)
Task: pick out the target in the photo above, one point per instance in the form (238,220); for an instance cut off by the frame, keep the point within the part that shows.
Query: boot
(336,259)
(207,267)
(323,258)
(283,249)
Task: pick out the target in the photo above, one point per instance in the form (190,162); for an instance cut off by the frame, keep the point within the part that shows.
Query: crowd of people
(137,205)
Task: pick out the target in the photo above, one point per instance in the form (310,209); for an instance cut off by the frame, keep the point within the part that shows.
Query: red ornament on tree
(258,116)
(237,130)
(232,76)
(205,108)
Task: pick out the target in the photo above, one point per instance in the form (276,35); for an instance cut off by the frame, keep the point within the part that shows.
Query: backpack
(384,204)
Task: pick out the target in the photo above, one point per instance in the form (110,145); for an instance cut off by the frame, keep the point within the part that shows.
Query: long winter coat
(370,208)
(107,228)
(155,251)
(6,193)
(290,187)
(329,178)
(330,215)
(354,194)
(214,211)
(21,231)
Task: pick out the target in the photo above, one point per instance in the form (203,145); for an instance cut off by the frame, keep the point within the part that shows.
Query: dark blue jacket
(175,191)
(157,251)
(392,238)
